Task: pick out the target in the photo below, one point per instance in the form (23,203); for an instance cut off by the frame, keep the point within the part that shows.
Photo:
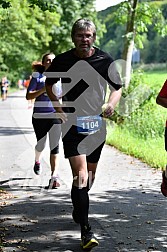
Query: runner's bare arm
(34,94)
(56,104)
(114,98)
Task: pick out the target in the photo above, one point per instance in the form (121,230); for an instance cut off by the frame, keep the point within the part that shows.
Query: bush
(139,112)
(138,126)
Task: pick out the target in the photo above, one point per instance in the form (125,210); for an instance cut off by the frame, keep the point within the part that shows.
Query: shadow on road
(8,131)
(40,220)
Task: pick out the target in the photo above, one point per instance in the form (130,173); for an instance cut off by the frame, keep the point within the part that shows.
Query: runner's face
(48,60)
(83,40)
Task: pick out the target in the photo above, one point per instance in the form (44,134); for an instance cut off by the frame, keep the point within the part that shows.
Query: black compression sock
(80,200)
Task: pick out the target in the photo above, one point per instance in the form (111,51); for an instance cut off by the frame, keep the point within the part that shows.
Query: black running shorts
(77,144)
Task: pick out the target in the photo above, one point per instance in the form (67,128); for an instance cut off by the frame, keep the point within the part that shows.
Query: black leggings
(42,127)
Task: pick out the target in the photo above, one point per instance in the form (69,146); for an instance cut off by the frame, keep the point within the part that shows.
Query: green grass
(147,148)
(155,78)
(150,151)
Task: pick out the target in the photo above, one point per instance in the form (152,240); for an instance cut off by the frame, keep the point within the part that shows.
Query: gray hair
(83,24)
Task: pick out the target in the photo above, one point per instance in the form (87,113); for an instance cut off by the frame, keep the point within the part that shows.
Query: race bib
(4,88)
(89,124)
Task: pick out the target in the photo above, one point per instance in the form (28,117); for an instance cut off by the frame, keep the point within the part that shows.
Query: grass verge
(150,151)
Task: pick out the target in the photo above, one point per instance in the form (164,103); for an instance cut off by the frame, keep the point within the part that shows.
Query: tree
(137,17)
(36,27)
(70,12)
(24,35)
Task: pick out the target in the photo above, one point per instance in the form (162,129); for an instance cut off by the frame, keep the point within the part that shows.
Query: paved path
(127,210)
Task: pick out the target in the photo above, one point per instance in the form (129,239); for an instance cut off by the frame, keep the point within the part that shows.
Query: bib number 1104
(89,124)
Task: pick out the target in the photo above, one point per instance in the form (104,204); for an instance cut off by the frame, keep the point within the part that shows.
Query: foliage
(50,5)
(71,11)
(5,4)
(35,28)
(150,31)
(146,126)
(44,5)
(144,16)
(137,117)
(23,34)
(141,133)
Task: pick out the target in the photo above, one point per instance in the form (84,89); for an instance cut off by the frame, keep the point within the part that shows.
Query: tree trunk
(129,41)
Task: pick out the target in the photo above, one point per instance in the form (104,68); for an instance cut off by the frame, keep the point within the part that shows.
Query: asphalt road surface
(127,210)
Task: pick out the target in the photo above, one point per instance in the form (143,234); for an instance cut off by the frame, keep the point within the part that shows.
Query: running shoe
(53,184)
(37,168)
(75,217)
(164,184)
(88,240)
